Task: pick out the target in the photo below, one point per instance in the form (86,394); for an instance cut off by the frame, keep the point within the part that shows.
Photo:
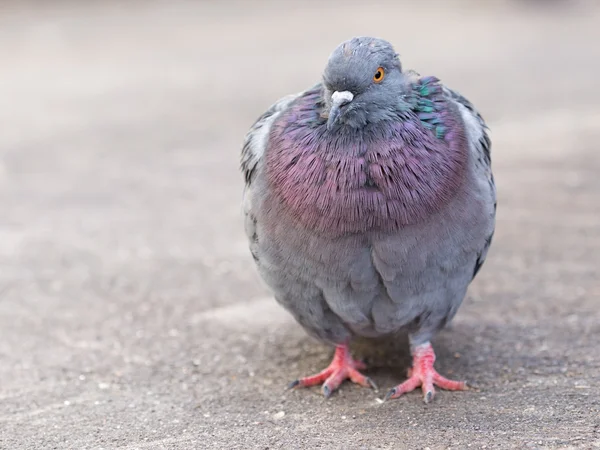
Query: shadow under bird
(370,207)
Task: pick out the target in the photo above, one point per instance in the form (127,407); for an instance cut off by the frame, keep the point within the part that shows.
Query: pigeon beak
(338,99)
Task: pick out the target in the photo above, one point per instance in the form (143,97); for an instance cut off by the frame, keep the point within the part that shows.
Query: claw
(390,394)
(293,384)
(428,397)
(372,384)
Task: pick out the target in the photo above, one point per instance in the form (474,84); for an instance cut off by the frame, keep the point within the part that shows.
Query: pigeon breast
(379,178)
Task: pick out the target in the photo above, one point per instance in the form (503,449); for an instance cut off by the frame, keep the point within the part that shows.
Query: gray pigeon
(370,207)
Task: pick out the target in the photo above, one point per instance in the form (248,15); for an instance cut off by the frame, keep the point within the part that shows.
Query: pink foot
(423,374)
(342,367)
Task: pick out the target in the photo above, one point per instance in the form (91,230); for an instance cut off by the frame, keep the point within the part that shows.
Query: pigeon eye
(378,77)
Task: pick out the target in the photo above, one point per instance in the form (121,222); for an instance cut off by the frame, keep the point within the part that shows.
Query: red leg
(423,374)
(342,367)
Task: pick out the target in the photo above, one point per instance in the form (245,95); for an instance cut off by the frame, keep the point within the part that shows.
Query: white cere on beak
(342,97)
(338,99)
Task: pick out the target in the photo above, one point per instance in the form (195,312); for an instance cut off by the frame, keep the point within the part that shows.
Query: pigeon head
(362,83)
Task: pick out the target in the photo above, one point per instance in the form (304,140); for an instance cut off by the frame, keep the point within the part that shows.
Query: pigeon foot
(343,367)
(423,374)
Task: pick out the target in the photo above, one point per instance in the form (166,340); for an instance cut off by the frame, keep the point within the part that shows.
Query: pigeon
(369,207)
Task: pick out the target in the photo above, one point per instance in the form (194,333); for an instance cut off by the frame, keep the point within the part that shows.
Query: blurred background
(131,315)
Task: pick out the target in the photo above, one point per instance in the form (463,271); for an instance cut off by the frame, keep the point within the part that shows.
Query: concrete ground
(131,315)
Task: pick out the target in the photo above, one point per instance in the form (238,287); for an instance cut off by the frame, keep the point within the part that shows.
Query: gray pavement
(131,315)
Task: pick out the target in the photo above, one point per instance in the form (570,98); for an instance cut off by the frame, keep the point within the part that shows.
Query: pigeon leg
(423,374)
(342,367)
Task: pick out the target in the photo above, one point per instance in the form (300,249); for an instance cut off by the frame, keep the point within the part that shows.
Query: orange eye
(378,77)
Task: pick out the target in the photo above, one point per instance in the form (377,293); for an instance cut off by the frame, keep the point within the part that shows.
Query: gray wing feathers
(253,149)
(257,138)
(481,145)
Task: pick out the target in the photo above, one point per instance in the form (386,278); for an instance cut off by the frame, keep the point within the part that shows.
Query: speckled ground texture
(131,316)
